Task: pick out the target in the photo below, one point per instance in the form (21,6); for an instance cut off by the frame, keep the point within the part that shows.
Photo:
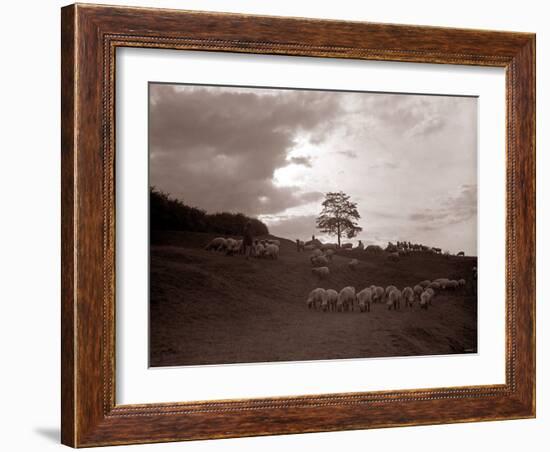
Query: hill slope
(209,308)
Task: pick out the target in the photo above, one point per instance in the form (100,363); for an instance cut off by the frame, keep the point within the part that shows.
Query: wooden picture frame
(90,36)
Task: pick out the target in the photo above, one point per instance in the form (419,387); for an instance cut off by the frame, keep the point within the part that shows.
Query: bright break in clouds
(408,161)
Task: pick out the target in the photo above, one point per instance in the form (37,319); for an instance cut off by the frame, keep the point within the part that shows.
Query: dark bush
(170,214)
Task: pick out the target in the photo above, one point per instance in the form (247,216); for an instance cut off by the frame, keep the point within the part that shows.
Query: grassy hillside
(210,308)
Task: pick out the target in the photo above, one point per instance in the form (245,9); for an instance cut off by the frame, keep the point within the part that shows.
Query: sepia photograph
(298,224)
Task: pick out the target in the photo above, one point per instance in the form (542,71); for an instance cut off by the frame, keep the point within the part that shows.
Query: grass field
(209,308)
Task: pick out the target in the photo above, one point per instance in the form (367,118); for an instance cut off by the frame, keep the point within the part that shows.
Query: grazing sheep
(316,253)
(332,298)
(272,251)
(316,296)
(453,284)
(408,296)
(373,249)
(324,303)
(434,285)
(217,244)
(329,246)
(230,245)
(430,291)
(259,250)
(393,257)
(364,299)
(388,290)
(240,247)
(233,246)
(425,300)
(319,261)
(352,264)
(418,290)
(424,283)
(321,272)
(309,247)
(346,298)
(378,294)
(443,282)
(274,242)
(461,282)
(329,254)
(460,253)
(347,246)
(394,299)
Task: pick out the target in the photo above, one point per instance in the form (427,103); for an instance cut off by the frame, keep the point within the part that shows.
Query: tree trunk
(338,230)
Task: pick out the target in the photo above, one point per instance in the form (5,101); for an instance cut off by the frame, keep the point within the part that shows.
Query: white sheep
(332,299)
(347,246)
(408,296)
(425,300)
(388,290)
(394,299)
(240,246)
(315,297)
(352,264)
(461,282)
(309,247)
(364,299)
(346,298)
(324,303)
(259,250)
(321,272)
(424,283)
(230,245)
(418,290)
(316,253)
(443,282)
(434,285)
(319,261)
(329,254)
(272,251)
(377,294)
(274,242)
(233,246)
(432,294)
(453,284)
(217,244)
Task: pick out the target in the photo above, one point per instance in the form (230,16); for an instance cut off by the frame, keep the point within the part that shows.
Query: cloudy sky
(409,161)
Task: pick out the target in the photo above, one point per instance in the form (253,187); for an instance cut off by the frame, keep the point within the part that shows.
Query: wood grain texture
(90,36)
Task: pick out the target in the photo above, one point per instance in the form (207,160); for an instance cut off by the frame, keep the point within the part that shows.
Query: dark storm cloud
(416,116)
(455,209)
(218,148)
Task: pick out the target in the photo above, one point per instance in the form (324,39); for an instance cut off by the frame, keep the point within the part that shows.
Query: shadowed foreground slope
(209,308)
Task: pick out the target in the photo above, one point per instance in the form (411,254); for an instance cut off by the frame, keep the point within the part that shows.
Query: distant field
(209,308)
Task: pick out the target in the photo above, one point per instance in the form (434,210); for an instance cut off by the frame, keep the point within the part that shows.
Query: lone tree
(339,216)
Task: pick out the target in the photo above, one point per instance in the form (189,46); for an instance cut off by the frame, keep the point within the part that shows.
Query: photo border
(90,36)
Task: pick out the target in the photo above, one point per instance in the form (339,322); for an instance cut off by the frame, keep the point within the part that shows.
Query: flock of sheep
(347,298)
(260,248)
(320,261)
